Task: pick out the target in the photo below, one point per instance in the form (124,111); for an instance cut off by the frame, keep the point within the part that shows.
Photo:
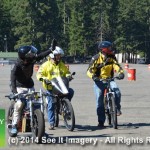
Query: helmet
(57,51)
(27,52)
(106,47)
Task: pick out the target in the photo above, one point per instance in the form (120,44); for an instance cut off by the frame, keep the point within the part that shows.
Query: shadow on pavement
(132,125)
(87,128)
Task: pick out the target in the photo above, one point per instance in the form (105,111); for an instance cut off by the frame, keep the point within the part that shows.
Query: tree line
(78,25)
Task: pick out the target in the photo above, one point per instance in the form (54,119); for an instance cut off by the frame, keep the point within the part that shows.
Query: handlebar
(110,79)
(12,96)
(18,95)
(48,82)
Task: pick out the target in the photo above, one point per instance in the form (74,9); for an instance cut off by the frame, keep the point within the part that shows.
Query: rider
(21,77)
(52,68)
(102,66)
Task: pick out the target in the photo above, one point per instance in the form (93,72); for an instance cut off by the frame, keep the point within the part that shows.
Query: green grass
(8,54)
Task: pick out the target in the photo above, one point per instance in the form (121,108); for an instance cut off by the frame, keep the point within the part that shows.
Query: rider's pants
(19,105)
(99,87)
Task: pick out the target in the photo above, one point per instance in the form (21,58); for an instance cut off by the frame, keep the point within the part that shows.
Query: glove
(41,79)
(44,80)
(12,96)
(14,91)
(47,81)
(53,44)
(121,76)
(70,78)
(95,78)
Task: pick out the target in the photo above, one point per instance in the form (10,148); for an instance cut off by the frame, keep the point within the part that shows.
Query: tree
(5,28)
(78,25)
(131,26)
(34,22)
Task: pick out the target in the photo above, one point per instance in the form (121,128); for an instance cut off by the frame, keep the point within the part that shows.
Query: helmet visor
(31,53)
(108,51)
(28,49)
(33,50)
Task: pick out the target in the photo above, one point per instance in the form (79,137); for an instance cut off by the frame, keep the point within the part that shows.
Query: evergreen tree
(5,28)
(78,25)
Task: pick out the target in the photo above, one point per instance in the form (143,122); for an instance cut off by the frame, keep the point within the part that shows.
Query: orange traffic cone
(149,66)
(126,66)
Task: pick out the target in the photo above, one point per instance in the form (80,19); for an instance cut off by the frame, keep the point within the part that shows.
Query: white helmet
(57,51)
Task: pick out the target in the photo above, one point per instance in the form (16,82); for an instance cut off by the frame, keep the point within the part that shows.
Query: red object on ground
(131,74)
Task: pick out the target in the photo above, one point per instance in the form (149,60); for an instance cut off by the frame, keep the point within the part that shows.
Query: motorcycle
(63,106)
(32,117)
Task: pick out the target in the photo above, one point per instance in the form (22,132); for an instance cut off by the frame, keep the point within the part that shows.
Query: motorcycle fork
(109,94)
(42,101)
(61,110)
(105,99)
(31,113)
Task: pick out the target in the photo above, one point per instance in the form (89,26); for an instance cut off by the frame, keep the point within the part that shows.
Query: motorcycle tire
(68,114)
(38,125)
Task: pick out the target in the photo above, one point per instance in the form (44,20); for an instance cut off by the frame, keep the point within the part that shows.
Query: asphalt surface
(134,124)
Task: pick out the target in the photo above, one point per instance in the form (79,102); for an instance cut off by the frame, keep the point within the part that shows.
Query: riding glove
(70,78)
(121,76)
(53,44)
(95,78)
(14,90)
(47,81)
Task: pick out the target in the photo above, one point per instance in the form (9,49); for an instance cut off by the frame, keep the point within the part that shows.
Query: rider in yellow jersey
(53,68)
(102,66)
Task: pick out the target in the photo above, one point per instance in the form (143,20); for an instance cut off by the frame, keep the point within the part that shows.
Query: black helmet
(104,44)
(106,47)
(27,52)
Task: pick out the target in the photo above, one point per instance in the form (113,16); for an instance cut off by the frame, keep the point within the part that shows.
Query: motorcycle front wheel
(68,114)
(38,125)
(108,117)
(114,113)
(56,111)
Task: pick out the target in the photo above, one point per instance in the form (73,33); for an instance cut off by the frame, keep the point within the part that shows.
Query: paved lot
(134,125)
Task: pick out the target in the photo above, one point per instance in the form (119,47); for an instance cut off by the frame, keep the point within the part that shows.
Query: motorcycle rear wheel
(114,113)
